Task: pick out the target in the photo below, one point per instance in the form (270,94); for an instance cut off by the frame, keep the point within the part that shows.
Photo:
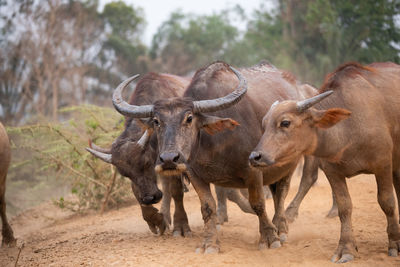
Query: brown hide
(132,160)
(5,158)
(137,162)
(355,130)
(265,85)
(134,153)
(222,158)
(372,95)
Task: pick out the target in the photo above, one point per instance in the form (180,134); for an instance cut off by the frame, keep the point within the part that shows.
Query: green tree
(186,42)
(312,37)
(123,52)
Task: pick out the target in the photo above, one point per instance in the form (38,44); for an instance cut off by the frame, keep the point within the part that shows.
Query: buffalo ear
(213,124)
(145,123)
(327,118)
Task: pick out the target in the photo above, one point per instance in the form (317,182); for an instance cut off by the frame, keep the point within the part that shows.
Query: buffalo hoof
(345,258)
(164,225)
(283,238)
(208,250)
(393,252)
(345,252)
(158,228)
(156,221)
(276,244)
(394,247)
(212,250)
(176,233)
(9,243)
(185,232)
(262,246)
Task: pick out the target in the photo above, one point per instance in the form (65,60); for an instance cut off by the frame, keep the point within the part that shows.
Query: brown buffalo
(367,99)
(5,158)
(135,150)
(134,154)
(187,144)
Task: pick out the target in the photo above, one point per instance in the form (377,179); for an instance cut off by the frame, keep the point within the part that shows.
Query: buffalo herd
(245,129)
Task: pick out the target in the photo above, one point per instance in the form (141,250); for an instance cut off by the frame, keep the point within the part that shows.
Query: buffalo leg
(268,231)
(396,183)
(208,210)
(333,212)
(154,219)
(243,203)
(181,224)
(279,192)
(386,199)
(267,192)
(308,178)
(7,232)
(166,199)
(347,247)
(234,195)
(222,212)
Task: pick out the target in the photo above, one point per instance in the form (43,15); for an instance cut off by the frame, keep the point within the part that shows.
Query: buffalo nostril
(148,200)
(169,157)
(255,156)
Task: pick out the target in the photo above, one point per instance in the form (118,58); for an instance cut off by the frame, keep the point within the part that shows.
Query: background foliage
(57,53)
(57,151)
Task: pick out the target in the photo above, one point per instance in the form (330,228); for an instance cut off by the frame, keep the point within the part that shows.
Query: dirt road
(121,238)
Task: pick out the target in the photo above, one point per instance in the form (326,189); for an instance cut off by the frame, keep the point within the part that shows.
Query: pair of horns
(105,154)
(211,105)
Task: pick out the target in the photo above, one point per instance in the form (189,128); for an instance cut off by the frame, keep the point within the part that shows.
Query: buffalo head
(177,121)
(135,160)
(290,131)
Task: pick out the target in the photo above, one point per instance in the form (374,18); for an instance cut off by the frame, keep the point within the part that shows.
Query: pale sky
(158,11)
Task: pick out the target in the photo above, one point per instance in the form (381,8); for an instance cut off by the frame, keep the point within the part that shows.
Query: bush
(57,151)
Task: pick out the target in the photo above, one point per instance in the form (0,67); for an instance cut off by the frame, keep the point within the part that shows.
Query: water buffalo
(134,154)
(187,145)
(367,101)
(134,151)
(5,158)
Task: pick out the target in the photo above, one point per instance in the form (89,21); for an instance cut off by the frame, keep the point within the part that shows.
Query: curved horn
(145,138)
(103,156)
(99,149)
(127,109)
(309,102)
(226,101)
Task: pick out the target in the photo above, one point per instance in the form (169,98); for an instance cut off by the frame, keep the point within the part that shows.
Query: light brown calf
(367,99)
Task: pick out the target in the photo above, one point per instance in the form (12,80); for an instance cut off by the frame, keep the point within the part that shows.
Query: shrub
(57,151)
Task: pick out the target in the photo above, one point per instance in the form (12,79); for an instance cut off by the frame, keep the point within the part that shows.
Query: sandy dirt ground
(121,238)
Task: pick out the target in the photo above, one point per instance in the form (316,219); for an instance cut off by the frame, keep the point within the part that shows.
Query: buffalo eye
(285,124)
(189,119)
(156,122)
